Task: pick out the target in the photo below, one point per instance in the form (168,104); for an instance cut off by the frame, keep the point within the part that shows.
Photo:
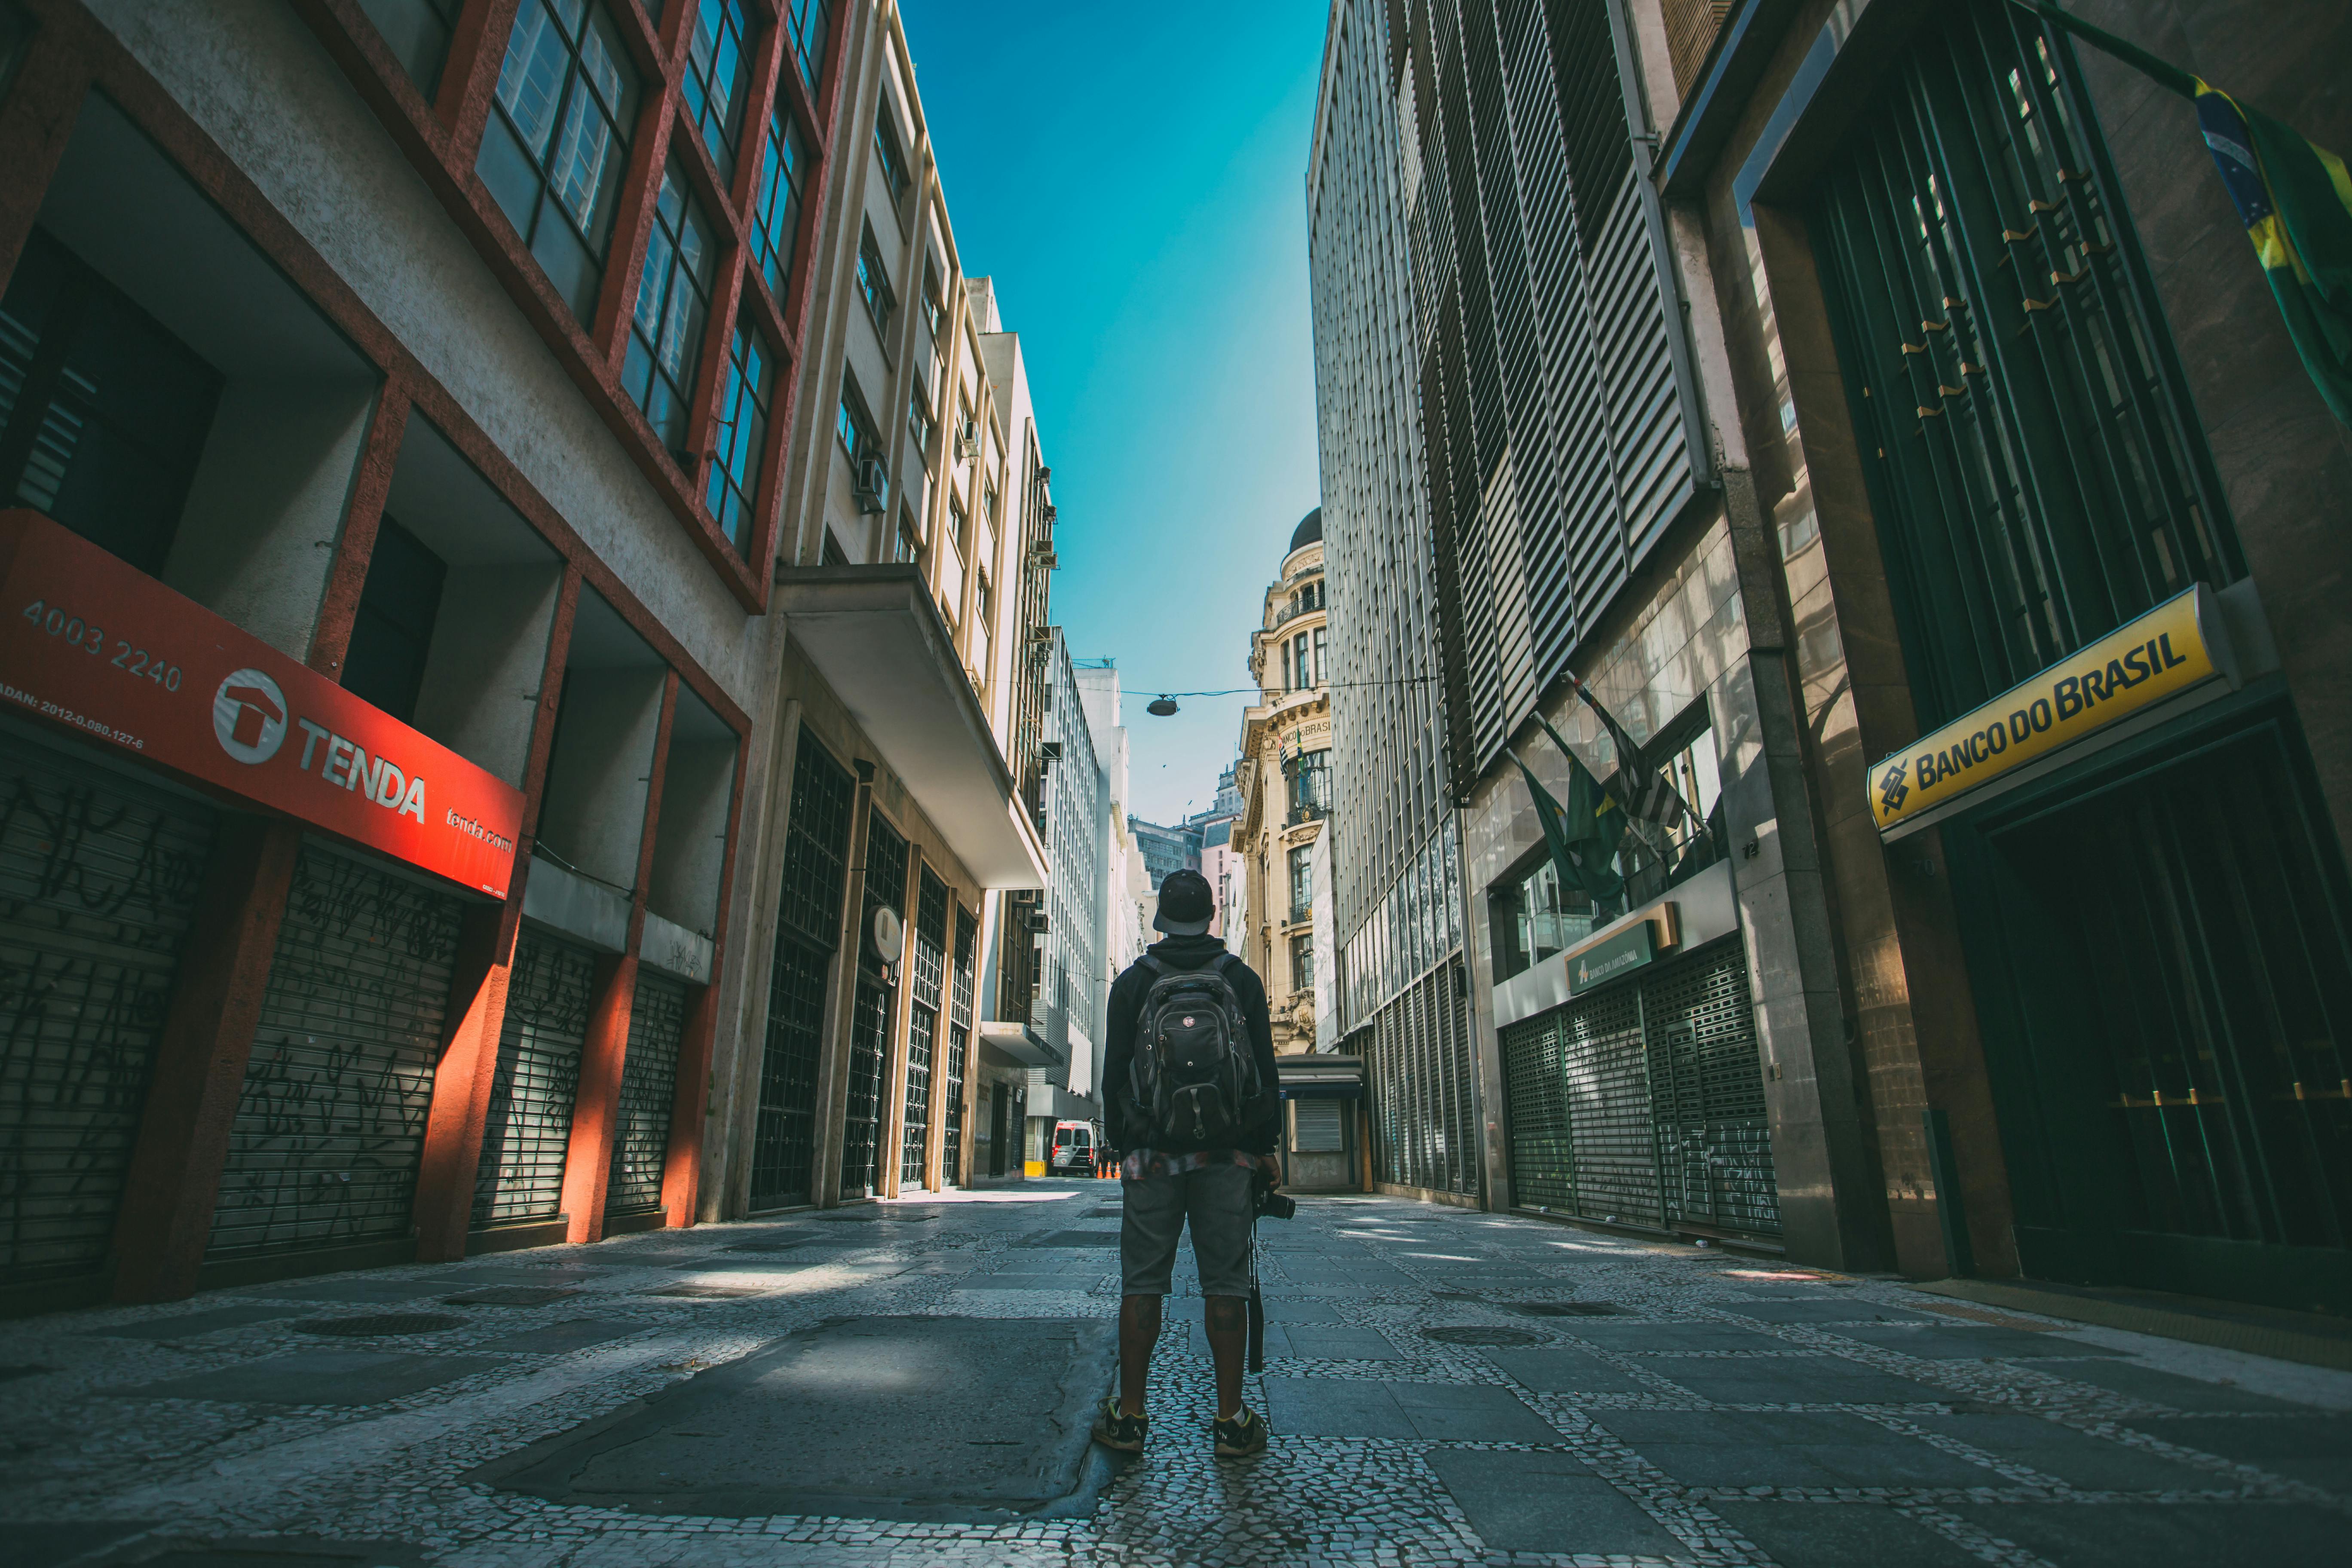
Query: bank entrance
(2155,934)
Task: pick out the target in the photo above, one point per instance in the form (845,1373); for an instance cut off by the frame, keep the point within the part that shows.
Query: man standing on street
(1194,1103)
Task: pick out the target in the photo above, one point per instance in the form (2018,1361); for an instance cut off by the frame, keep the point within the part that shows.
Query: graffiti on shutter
(529,1121)
(97,878)
(648,1094)
(329,1123)
(1715,1146)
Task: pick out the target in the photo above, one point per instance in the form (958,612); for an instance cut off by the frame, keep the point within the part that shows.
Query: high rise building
(1506,374)
(1849,398)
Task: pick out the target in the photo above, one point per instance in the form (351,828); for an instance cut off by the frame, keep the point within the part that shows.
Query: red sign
(94,644)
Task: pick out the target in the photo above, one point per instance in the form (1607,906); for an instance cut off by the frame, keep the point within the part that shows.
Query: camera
(1271,1205)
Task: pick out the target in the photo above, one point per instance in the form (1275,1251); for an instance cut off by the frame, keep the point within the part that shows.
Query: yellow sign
(2173,647)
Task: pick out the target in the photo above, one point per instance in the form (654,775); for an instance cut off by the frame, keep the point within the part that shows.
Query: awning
(1317,1076)
(1020,1042)
(878,639)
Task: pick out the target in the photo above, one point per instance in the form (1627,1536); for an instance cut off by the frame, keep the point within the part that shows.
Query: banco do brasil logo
(1892,791)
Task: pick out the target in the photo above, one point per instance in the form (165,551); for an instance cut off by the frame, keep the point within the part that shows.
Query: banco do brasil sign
(2174,649)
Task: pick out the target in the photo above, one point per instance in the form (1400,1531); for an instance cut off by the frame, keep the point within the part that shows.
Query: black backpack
(1194,1077)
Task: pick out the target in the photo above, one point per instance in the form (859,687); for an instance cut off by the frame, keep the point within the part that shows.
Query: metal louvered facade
(1643,1103)
(648,1094)
(329,1126)
(1560,428)
(958,1053)
(528,1126)
(808,932)
(871,1014)
(97,874)
(928,974)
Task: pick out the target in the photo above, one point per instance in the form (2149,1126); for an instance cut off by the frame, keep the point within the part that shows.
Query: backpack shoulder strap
(1150,965)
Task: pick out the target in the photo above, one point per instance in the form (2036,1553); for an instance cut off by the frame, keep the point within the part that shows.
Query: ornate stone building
(1285,781)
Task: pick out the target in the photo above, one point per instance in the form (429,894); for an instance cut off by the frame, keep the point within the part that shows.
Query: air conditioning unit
(1049,513)
(1044,474)
(1050,750)
(968,441)
(1037,921)
(873,486)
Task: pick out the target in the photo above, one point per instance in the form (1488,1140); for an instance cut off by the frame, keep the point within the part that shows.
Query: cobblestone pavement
(1444,1387)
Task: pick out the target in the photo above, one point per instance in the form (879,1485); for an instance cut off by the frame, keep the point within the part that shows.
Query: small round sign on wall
(890,934)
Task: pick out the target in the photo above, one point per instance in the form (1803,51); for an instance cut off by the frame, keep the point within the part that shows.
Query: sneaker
(1114,1429)
(1241,1436)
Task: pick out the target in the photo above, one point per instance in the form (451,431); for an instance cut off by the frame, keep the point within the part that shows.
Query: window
(418,33)
(885,147)
(1654,857)
(742,435)
(1302,881)
(911,545)
(1288,683)
(554,152)
(673,299)
(777,227)
(103,412)
(718,79)
(919,419)
(1322,670)
(863,445)
(873,285)
(988,508)
(983,602)
(1302,962)
(1300,668)
(805,27)
(393,629)
(1533,918)
(1310,785)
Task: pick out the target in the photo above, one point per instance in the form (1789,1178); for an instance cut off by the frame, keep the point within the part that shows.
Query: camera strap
(1257,1308)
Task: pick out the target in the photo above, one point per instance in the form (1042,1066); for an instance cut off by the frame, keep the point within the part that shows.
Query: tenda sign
(92,643)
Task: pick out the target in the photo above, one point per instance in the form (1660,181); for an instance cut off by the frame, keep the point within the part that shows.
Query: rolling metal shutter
(1424,1100)
(98,876)
(528,1126)
(329,1125)
(1605,1082)
(1543,1174)
(1715,1145)
(648,1094)
(808,929)
(1314,1127)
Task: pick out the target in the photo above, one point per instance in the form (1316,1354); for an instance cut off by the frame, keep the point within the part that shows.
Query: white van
(1074,1149)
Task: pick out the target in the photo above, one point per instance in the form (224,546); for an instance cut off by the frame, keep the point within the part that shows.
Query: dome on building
(1310,532)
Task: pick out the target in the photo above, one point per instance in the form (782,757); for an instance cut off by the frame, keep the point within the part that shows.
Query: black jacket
(1125,1122)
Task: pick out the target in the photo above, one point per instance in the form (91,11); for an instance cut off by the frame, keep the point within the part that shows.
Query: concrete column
(1824,1144)
(682,1166)
(891,1124)
(446,1171)
(588,1156)
(727,1158)
(174,1181)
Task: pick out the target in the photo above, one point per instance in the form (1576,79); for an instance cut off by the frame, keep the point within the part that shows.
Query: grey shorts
(1216,1199)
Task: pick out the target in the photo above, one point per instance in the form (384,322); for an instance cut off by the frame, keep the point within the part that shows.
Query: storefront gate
(98,875)
(649,1095)
(1644,1104)
(529,1127)
(330,1124)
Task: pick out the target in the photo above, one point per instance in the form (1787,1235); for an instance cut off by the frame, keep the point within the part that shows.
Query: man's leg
(1139,1332)
(1227,1319)
(1150,1224)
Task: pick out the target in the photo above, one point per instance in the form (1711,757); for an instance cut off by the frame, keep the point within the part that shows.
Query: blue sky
(1132,176)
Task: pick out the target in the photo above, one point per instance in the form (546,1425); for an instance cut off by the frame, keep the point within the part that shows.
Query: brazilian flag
(2294,199)
(1583,834)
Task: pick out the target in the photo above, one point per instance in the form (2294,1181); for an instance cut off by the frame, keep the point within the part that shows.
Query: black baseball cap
(1186,905)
